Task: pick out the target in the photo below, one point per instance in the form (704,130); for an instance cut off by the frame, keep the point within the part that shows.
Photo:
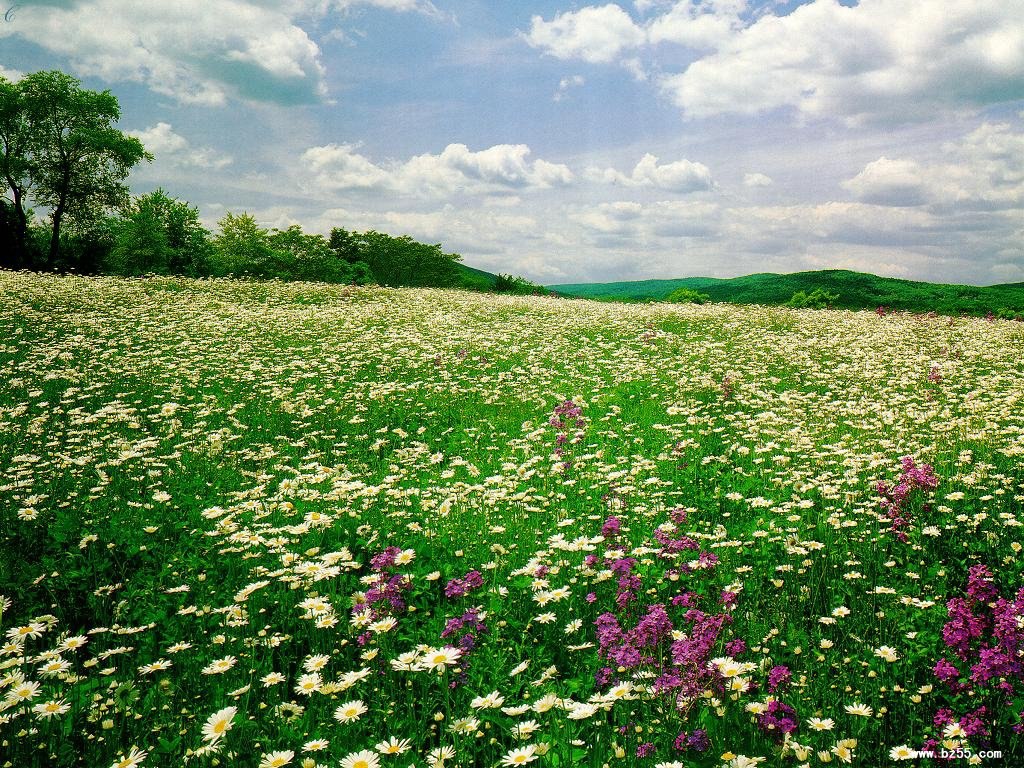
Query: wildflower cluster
(570,425)
(897,496)
(984,675)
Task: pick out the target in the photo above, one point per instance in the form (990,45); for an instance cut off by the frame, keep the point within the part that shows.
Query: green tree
(819,298)
(243,247)
(162,235)
(687,296)
(15,135)
(401,260)
(517,285)
(62,150)
(311,256)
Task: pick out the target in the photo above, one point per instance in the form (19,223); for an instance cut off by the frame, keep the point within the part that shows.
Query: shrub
(819,298)
(687,296)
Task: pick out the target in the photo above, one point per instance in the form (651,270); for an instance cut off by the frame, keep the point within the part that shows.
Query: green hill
(477,279)
(857,290)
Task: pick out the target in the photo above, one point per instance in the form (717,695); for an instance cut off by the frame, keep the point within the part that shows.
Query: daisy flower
(50,709)
(393,746)
(492,700)
(308,684)
(220,666)
(520,756)
(858,709)
(276,759)
(218,724)
(364,758)
(902,752)
(439,659)
(134,757)
(316,663)
(350,711)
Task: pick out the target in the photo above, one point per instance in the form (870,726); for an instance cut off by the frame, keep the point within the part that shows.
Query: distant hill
(857,290)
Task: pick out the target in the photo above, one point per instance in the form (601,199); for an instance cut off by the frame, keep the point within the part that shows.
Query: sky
(573,142)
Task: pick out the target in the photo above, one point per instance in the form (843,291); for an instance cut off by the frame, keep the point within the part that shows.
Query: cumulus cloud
(596,34)
(600,34)
(884,59)
(195,51)
(877,60)
(890,182)
(168,146)
(983,170)
(695,24)
(680,176)
(457,169)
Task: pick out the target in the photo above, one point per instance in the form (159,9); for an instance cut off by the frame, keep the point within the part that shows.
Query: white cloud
(14,75)
(596,34)
(886,59)
(697,24)
(679,176)
(754,180)
(880,59)
(457,169)
(168,146)
(339,166)
(565,84)
(890,182)
(983,170)
(195,51)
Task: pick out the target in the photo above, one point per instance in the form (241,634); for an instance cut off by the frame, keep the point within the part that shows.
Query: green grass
(857,290)
(202,483)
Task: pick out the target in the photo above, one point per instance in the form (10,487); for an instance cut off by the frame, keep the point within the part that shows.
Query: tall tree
(14,146)
(64,149)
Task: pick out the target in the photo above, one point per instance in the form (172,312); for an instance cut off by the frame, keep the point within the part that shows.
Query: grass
(857,290)
(296,524)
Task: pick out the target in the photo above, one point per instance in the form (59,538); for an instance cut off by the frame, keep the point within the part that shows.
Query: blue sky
(568,141)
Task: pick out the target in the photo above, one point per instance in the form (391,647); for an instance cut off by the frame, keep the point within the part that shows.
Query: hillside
(857,290)
(478,279)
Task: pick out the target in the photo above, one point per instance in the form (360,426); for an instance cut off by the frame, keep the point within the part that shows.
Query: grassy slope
(856,290)
(476,278)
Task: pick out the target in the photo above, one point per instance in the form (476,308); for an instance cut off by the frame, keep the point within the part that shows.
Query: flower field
(261,524)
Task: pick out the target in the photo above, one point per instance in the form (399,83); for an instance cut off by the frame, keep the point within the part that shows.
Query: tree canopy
(62,152)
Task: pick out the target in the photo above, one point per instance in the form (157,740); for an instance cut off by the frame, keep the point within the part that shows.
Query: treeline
(60,151)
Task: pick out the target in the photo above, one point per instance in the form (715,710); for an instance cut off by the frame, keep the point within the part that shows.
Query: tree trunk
(58,214)
(51,257)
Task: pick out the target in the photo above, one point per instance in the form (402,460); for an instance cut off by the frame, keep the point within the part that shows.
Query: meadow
(266,524)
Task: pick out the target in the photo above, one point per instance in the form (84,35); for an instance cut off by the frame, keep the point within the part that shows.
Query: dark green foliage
(159,234)
(61,151)
(856,290)
(517,285)
(476,279)
(687,296)
(819,298)
(397,261)
(243,248)
(312,258)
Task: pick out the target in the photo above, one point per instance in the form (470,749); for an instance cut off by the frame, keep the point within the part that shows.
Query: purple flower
(778,676)
(645,750)
(698,740)
(611,528)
